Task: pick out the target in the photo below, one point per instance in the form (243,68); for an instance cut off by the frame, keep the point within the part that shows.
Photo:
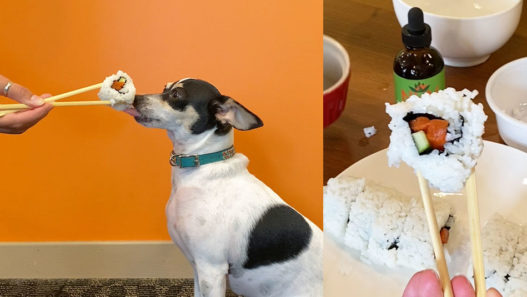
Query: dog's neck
(203,143)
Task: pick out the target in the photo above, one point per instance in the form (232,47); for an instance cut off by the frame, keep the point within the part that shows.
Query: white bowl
(465,32)
(507,89)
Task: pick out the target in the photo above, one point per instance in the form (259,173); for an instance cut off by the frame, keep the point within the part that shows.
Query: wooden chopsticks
(475,236)
(10,108)
(444,276)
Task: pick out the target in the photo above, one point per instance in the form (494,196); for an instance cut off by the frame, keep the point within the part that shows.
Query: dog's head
(193,106)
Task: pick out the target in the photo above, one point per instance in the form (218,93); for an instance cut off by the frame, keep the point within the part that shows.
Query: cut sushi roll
(384,226)
(415,247)
(119,90)
(364,214)
(453,126)
(499,248)
(386,229)
(339,193)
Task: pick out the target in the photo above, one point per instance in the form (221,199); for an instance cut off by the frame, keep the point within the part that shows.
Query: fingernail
(36,100)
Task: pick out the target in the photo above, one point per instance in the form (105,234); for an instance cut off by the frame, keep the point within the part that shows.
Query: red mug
(336,79)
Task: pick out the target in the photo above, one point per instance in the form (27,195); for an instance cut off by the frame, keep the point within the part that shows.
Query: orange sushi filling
(118,84)
(435,130)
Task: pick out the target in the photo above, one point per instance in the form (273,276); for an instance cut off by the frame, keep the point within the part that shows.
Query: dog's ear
(228,111)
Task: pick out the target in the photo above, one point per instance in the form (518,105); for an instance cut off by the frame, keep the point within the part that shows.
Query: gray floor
(98,288)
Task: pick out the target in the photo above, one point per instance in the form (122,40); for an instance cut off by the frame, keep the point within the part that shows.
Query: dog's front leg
(211,279)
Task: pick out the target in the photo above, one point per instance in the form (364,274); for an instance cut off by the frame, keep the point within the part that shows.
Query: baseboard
(133,259)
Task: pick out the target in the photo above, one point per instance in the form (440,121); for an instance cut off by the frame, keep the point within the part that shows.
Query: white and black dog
(227,222)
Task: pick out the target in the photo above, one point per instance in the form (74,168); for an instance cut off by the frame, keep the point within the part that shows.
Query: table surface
(369,31)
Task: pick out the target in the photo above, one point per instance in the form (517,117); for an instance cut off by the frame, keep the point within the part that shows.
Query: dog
(227,223)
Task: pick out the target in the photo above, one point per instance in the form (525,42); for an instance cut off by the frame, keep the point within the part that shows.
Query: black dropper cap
(416,33)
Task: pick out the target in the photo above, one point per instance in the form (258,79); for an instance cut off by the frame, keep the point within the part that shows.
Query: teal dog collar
(185,161)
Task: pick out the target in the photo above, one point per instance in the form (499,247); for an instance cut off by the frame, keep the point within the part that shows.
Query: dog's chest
(198,212)
(217,213)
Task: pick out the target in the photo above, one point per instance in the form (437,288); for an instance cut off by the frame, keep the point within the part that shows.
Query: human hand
(19,122)
(426,284)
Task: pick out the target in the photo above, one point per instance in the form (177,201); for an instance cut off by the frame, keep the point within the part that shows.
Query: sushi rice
(339,194)
(505,256)
(119,99)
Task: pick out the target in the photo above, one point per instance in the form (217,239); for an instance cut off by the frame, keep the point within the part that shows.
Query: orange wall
(92,173)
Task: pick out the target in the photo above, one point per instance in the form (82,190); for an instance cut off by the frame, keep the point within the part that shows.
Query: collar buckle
(196,160)
(173,159)
(176,160)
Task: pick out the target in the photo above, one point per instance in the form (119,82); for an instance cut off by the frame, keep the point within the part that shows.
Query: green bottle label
(405,88)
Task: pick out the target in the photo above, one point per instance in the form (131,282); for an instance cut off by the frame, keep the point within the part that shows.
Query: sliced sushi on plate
(502,190)
(376,222)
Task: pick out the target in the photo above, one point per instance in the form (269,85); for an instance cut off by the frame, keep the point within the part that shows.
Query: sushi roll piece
(499,248)
(415,249)
(339,193)
(386,229)
(439,135)
(119,89)
(389,228)
(362,215)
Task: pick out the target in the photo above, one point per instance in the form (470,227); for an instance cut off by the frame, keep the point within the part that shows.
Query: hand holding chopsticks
(20,122)
(9,108)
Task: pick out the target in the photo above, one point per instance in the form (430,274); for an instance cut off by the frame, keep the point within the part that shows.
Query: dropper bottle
(418,68)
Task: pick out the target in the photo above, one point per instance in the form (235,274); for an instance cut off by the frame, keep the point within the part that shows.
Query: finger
(493,293)
(462,287)
(19,122)
(32,115)
(23,112)
(23,95)
(424,284)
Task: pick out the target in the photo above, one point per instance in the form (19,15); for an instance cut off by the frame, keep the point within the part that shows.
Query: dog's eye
(178,93)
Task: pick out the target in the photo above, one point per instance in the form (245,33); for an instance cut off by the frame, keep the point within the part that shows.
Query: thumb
(424,283)
(493,293)
(462,287)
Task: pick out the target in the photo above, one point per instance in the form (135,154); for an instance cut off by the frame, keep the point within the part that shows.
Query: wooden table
(369,30)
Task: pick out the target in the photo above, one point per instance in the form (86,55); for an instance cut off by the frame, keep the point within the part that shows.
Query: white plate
(501,176)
